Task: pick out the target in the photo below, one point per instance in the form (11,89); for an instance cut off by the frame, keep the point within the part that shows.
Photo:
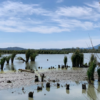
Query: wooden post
(67,86)
(84,86)
(48,85)
(30,94)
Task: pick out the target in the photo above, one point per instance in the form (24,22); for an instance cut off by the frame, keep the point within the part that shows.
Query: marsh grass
(77,59)
(12,57)
(98,71)
(65,60)
(91,69)
(2,62)
(7,59)
(28,54)
(33,56)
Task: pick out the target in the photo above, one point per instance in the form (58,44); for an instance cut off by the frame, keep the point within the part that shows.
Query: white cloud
(20,17)
(59,1)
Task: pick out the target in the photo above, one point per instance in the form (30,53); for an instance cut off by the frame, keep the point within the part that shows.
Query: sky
(36,24)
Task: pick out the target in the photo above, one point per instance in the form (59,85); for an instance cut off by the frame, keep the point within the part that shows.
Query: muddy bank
(19,79)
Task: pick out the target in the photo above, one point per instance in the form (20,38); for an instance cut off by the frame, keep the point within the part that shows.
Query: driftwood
(22,70)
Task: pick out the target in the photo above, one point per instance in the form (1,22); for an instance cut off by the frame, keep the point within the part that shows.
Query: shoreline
(20,79)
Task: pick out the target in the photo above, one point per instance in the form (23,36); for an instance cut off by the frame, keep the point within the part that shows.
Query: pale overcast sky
(49,23)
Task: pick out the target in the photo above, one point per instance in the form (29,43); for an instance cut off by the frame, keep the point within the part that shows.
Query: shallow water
(54,93)
(41,61)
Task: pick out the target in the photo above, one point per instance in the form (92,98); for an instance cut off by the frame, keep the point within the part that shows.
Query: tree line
(59,51)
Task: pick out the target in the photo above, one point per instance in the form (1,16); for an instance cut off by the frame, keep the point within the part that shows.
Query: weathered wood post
(30,94)
(42,77)
(58,84)
(67,86)
(39,88)
(36,79)
(84,86)
(48,85)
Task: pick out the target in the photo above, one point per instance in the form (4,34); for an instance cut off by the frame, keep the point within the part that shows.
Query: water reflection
(58,87)
(30,99)
(91,92)
(48,89)
(10,67)
(31,66)
(98,87)
(83,91)
(67,91)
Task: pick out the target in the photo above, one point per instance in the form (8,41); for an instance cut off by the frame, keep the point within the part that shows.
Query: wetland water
(41,60)
(53,93)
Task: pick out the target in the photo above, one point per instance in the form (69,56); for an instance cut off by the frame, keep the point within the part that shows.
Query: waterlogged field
(54,93)
(75,92)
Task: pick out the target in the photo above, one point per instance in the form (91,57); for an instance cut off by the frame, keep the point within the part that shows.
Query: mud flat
(19,79)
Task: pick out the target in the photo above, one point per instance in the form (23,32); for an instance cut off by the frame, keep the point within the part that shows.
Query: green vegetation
(2,62)
(65,60)
(32,57)
(28,54)
(89,74)
(50,51)
(77,59)
(7,59)
(12,57)
(98,71)
(91,69)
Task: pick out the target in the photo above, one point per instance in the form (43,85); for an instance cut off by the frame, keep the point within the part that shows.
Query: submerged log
(22,70)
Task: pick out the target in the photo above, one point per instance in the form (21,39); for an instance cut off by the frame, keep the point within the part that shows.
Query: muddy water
(54,93)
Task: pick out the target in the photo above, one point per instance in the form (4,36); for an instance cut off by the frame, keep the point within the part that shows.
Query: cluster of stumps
(48,85)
